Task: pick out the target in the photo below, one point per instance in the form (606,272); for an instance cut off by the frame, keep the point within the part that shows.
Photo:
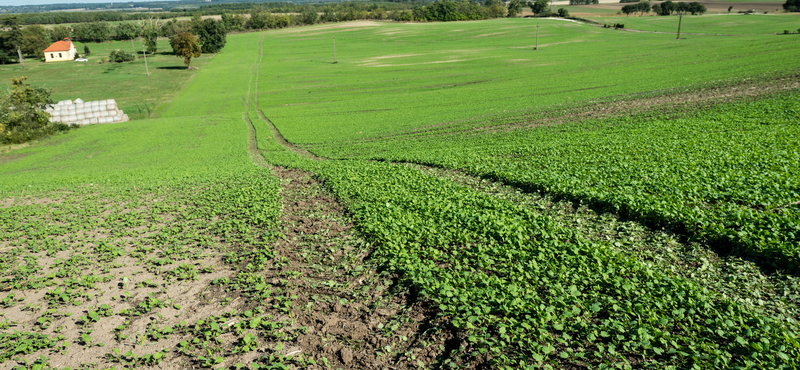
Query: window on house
(59,55)
(51,55)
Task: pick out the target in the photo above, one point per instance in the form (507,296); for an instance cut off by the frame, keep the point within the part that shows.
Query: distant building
(60,51)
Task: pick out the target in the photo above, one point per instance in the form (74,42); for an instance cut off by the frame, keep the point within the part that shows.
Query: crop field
(723,24)
(401,77)
(138,95)
(441,197)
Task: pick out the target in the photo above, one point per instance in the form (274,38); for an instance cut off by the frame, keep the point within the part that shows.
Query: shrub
(22,117)
(119,56)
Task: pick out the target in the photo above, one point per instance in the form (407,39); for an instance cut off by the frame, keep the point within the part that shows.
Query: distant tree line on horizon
(666,8)
(240,8)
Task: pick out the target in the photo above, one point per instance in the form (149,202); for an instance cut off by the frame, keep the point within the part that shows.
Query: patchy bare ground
(93,279)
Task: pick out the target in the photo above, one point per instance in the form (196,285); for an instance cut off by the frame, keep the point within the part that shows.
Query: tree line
(219,9)
(666,8)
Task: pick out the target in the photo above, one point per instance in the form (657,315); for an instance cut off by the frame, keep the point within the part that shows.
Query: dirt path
(351,315)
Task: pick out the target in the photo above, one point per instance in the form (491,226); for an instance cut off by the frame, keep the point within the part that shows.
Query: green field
(723,24)
(393,77)
(127,83)
(613,199)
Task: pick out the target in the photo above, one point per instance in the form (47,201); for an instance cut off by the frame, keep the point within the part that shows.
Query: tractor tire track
(343,308)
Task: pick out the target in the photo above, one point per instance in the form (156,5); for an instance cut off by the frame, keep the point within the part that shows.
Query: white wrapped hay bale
(86,113)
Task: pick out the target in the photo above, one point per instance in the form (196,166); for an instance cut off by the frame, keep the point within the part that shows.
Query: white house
(60,51)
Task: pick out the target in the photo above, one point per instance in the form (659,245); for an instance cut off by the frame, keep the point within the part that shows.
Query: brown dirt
(343,310)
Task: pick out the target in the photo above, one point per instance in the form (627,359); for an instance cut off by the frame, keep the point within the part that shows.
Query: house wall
(53,56)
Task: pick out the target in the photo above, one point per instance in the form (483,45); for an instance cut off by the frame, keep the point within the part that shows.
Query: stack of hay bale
(86,113)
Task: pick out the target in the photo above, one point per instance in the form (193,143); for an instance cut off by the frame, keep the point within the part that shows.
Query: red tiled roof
(59,46)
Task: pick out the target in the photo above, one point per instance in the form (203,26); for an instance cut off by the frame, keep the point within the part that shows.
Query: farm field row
(724,176)
(524,289)
(523,286)
(223,257)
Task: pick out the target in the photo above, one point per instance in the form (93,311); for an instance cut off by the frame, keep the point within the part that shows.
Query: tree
(731,7)
(127,31)
(34,41)
(495,8)
(310,16)
(696,8)
(238,22)
(667,7)
(681,7)
(563,12)
(85,49)
(790,6)
(150,29)
(174,27)
(656,8)
(185,45)
(13,38)
(95,31)
(515,7)
(197,23)
(232,22)
(628,9)
(22,117)
(60,32)
(151,41)
(538,6)
(212,36)
(259,19)
(443,10)
(643,7)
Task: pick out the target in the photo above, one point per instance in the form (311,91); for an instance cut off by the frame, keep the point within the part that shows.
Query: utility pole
(146,70)
(537,36)
(680,17)
(334,49)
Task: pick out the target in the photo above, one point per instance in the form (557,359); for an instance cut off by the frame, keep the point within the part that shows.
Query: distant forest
(157,6)
(117,12)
